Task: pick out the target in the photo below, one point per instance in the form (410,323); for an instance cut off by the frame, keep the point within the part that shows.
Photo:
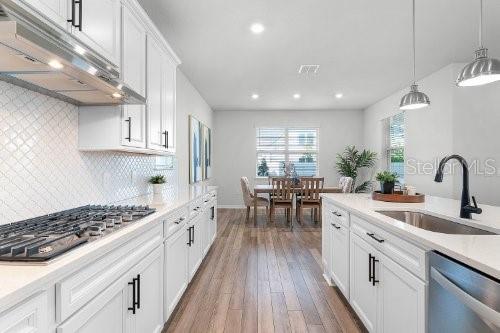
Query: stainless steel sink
(432,223)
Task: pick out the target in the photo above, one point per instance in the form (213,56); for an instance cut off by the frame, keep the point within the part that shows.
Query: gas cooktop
(42,238)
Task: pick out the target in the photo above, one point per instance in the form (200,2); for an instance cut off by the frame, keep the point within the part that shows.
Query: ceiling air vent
(308,69)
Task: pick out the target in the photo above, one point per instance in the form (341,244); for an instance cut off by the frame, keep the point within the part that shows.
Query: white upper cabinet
(55,10)
(133,51)
(97,24)
(160,98)
(133,74)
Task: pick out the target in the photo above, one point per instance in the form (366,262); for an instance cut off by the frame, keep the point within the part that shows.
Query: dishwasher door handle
(482,310)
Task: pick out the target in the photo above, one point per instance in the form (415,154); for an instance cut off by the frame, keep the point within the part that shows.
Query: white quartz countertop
(479,251)
(19,281)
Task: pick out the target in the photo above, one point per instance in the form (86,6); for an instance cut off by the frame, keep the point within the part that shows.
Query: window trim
(286,151)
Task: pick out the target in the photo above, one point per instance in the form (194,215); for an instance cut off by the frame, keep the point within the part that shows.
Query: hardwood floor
(262,278)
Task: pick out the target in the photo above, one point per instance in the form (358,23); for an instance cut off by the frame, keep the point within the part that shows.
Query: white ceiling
(362,46)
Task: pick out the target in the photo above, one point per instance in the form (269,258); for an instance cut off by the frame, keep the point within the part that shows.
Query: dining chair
(282,197)
(346,184)
(310,197)
(249,198)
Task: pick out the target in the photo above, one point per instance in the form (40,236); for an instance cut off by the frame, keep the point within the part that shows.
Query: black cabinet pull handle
(71,20)
(372,235)
(138,291)
(335,226)
(374,279)
(133,296)
(79,25)
(129,120)
(179,220)
(370,267)
(166,139)
(189,236)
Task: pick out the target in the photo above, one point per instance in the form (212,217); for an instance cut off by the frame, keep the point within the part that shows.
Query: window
(395,146)
(275,146)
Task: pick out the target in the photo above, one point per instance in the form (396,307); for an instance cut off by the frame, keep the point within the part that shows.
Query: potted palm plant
(351,162)
(157,181)
(387,180)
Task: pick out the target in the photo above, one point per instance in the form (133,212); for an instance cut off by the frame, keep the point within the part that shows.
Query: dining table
(268,189)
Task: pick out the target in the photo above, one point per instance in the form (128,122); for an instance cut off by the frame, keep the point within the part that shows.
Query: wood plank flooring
(262,278)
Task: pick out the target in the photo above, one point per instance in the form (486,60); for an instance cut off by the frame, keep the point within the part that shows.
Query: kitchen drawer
(28,316)
(195,207)
(411,257)
(175,220)
(338,214)
(81,287)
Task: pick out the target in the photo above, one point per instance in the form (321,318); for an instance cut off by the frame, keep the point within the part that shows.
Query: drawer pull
(371,269)
(372,235)
(335,226)
(179,220)
(337,214)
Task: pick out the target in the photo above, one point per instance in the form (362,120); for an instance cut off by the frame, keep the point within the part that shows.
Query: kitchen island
(381,265)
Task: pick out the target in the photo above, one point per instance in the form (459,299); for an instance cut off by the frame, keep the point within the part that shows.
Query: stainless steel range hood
(39,55)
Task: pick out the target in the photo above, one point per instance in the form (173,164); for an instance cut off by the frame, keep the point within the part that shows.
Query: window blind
(278,145)
(396,145)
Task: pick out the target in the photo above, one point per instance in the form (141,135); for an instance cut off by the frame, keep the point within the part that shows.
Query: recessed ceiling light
(116,95)
(255,96)
(257,28)
(296,96)
(339,95)
(55,64)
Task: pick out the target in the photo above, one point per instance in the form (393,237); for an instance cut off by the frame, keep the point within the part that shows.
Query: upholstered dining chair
(282,197)
(310,197)
(346,184)
(249,198)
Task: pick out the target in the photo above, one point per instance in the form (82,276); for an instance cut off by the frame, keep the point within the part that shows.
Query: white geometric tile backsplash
(41,169)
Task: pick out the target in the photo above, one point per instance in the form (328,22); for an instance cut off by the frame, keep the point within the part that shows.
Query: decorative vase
(387,187)
(157,188)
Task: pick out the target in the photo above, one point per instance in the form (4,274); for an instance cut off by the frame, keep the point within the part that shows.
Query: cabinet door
(106,313)
(176,269)
(363,295)
(213,223)
(169,104)
(149,313)
(195,250)
(325,242)
(155,101)
(340,257)
(133,58)
(54,10)
(134,126)
(401,299)
(100,27)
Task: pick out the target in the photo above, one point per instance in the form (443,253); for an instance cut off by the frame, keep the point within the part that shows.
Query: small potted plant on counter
(157,182)
(387,180)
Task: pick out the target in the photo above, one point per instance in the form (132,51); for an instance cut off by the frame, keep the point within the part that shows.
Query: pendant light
(414,99)
(482,70)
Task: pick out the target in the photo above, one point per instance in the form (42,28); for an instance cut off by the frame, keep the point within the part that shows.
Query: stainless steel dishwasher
(461,299)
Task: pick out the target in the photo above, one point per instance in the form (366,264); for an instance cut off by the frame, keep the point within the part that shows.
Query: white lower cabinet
(29,316)
(363,294)
(176,268)
(133,303)
(386,297)
(339,254)
(195,253)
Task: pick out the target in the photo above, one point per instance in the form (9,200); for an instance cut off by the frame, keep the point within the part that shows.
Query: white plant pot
(157,188)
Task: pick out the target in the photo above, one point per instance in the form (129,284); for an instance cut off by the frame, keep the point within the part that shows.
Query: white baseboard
(231,206)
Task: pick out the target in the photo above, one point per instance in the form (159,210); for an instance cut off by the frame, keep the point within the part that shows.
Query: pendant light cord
(480,24)
(413,27)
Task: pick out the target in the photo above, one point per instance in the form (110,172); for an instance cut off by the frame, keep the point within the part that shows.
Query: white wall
(235,151)
(189,102)
(460,120)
